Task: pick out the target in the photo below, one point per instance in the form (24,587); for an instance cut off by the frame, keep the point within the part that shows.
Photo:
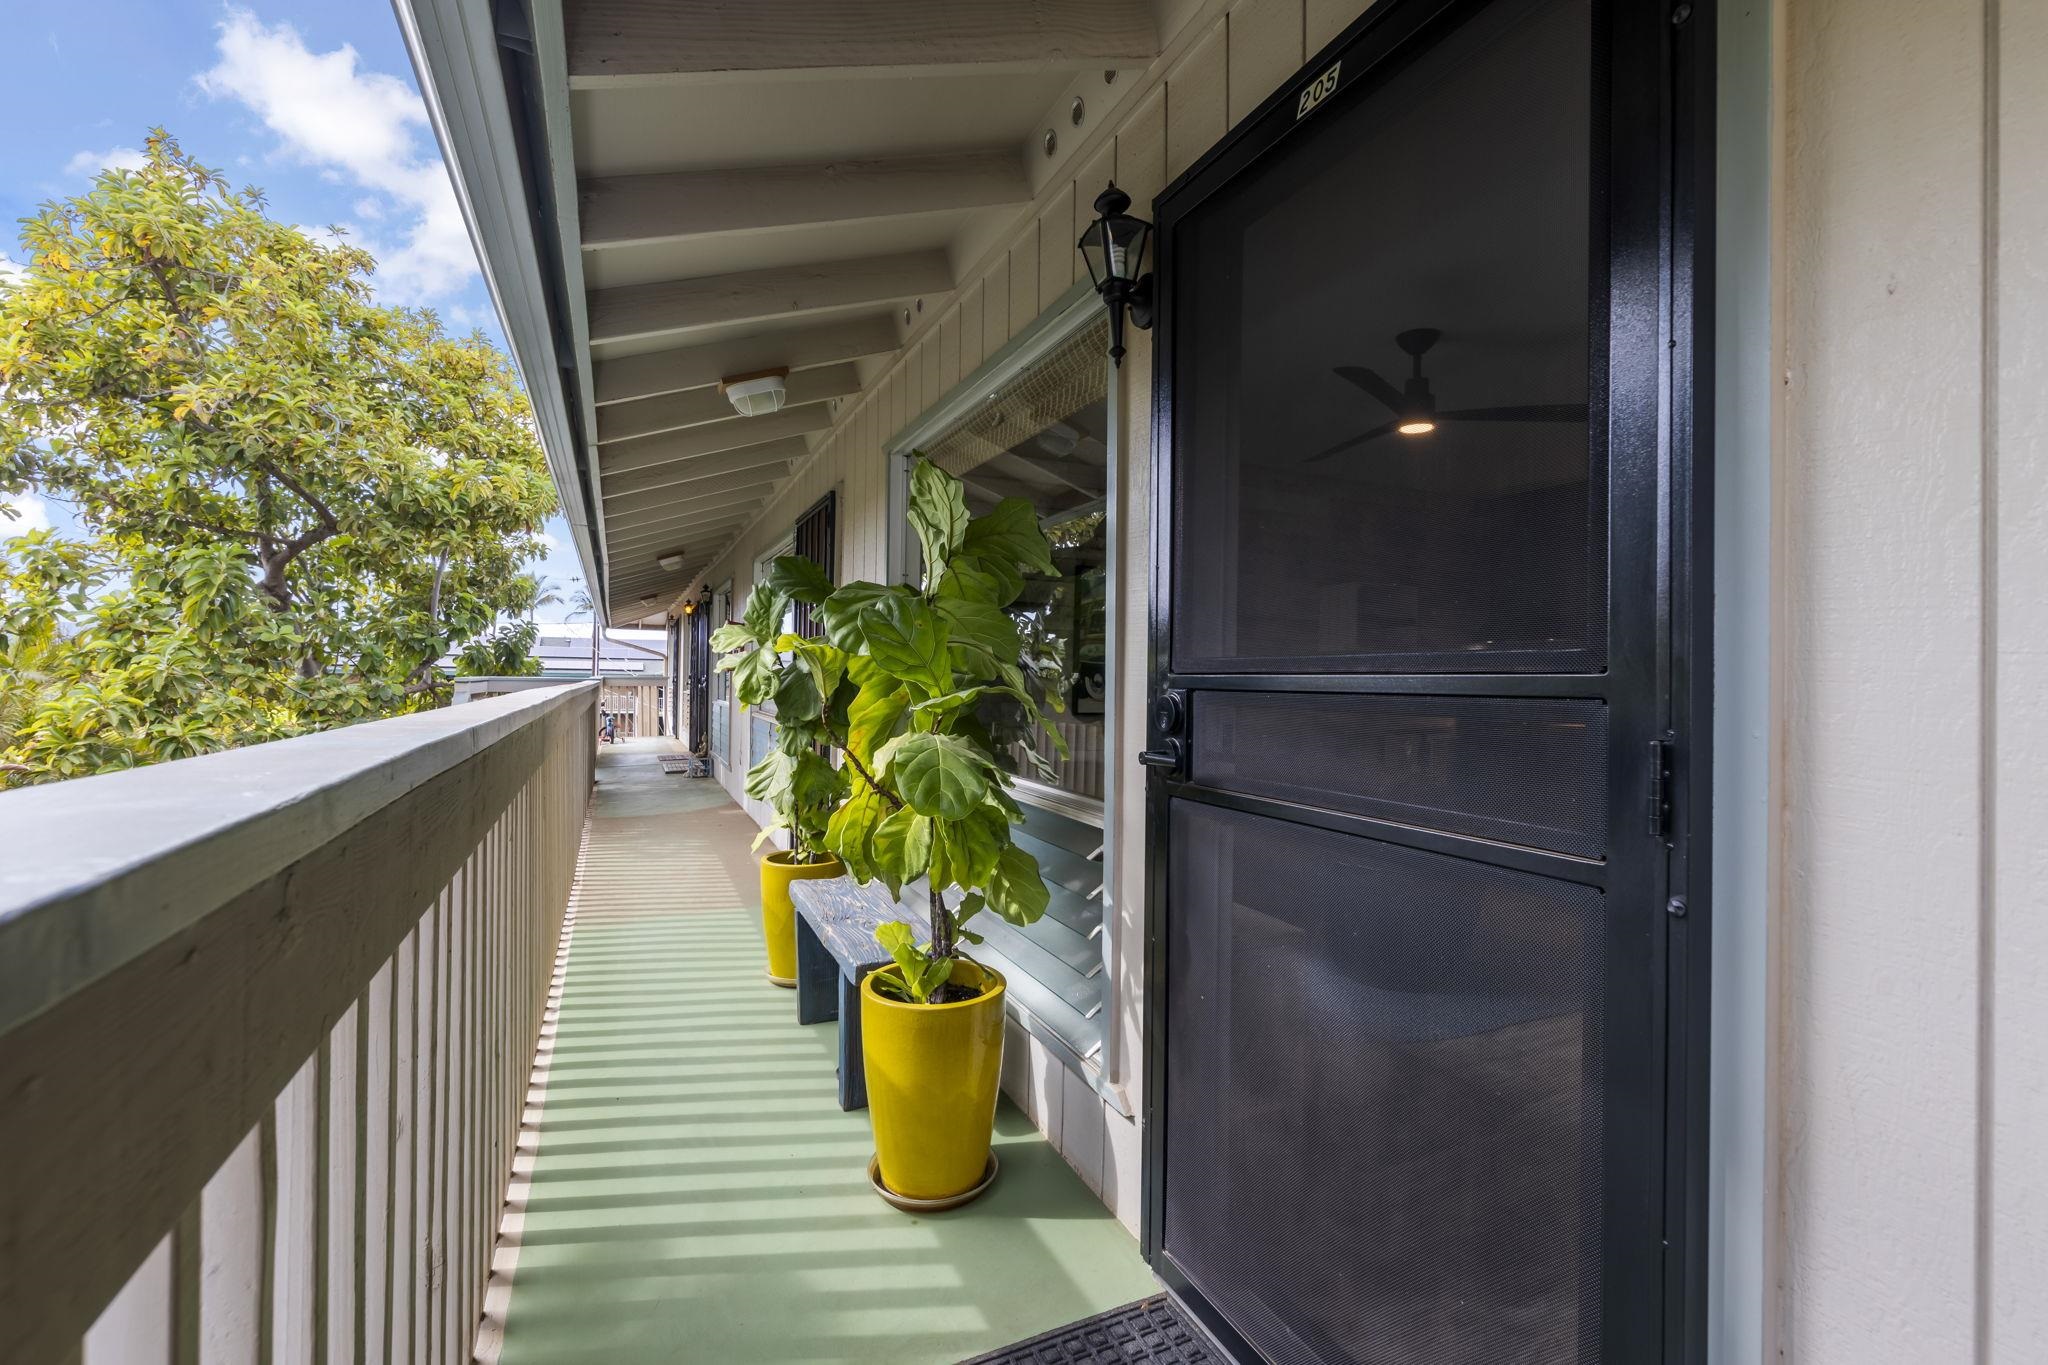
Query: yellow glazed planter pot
(933,1072)
(778,912)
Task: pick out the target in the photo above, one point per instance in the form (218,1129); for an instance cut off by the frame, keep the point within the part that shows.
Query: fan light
(756,394)
(1420,427)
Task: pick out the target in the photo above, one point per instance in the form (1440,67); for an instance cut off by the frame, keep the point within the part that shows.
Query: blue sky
(313,103)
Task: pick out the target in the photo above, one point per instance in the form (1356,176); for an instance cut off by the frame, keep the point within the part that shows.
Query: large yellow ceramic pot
(933,1072)
(778,912)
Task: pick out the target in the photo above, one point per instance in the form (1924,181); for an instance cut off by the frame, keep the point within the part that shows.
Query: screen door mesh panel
(1442,220)
(1383,1086)
(1519,770)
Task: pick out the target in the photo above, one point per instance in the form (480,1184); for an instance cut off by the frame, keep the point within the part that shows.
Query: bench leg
(817,997)
(853,1073)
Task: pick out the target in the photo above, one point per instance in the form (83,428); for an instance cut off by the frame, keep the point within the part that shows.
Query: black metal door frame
(1659,114)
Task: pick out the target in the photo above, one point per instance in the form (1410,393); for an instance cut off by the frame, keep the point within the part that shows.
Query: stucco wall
(1219,63)
(1912,721)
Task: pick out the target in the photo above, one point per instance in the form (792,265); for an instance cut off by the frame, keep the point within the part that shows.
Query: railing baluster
(340,1125)
(404,1038)
(374,1268)
(231,1231)
(136,1328)
(292,1177)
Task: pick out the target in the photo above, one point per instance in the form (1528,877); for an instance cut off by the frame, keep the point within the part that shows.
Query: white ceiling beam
(689,538)
(694,407)
(774,456)
(631,312)
(698,511)
(641,40)
(659,498)
(673,580)
(623,457)
(691,367)
(629,210)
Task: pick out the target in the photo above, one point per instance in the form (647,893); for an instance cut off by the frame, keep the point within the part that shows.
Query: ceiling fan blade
(1379,388)
(1348,442)
(1526,412)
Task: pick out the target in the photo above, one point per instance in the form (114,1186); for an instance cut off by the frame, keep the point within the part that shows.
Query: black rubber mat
(1149,1332)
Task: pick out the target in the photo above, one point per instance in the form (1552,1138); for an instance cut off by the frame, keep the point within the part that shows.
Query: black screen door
(1411,692)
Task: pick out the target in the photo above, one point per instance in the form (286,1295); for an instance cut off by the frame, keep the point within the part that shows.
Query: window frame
(1075,309)
(1072,312)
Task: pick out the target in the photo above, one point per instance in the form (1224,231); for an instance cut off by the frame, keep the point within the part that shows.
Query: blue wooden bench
(835,947)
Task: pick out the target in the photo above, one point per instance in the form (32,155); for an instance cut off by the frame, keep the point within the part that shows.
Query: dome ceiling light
(758,393)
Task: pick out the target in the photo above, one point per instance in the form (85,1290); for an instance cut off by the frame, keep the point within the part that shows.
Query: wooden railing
(266,1019)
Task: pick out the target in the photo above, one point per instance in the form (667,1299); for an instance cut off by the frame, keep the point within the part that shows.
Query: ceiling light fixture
(672,561)
(758,393)
(1114,246)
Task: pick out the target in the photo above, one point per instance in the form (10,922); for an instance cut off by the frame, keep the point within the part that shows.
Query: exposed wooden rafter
(627,524)
(773,459)
(690,367)
(659,499)
(611,40)
(631,209)
(695,407)
(631,312)
(623,457)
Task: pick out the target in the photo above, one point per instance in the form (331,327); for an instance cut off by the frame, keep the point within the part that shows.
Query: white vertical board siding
(1910,943)
(2016,1235)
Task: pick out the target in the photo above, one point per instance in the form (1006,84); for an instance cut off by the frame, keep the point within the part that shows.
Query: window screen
(1044,437)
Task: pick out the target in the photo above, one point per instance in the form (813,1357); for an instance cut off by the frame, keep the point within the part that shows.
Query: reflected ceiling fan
(1414,405)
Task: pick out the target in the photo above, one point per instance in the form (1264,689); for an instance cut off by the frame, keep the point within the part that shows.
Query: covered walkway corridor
(689,1190)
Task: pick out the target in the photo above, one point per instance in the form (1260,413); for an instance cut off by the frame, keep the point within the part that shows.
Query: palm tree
(582,604)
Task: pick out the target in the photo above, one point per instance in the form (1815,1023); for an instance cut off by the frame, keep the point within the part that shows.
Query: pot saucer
(953,1201)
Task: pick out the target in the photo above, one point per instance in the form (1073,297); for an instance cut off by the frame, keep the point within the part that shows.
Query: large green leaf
(1016,890)
(799,578)
(1010,534)
(938,512)
(765,609)
(844,609)
(872,718)
(768,780)
(852,827)
(939,775)
(902,847)
(964,852)
(733,635)
(980,624)
(904,637)
(826,662)
(796,696)
(994,581)
(753,677)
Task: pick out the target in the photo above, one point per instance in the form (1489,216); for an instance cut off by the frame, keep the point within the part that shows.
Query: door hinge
(1660,787)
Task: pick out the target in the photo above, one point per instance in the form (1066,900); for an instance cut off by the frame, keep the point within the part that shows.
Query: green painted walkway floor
(697,1194)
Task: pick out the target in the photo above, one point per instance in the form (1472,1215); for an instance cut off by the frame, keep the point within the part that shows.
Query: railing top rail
(97,870)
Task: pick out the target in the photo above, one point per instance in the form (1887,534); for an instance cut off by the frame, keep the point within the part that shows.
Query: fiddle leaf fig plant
(798,676)
(921,672)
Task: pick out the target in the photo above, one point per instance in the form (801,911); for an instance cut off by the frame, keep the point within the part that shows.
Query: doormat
(1149,1332)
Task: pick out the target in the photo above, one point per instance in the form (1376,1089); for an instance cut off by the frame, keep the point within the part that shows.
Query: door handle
(1170,755)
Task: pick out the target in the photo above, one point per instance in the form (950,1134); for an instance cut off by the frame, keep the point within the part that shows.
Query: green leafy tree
(297,499)
(504,651)
(799,676)
(916,682)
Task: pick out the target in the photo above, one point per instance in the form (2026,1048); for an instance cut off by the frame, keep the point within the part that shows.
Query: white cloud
(364,126)
(11,271)
(27,514)
(112,159)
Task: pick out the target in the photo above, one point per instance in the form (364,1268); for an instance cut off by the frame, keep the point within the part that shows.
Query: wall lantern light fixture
(1114,247)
